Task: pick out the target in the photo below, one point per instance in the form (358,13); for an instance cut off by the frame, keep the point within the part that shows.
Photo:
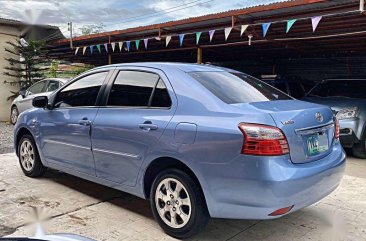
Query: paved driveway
(82,207)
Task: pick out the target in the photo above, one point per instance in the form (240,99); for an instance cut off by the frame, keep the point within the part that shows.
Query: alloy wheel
(14,115)
(27,156)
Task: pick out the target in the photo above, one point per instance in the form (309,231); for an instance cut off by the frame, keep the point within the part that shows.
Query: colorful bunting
(113,46)
(289,24)
(77,50)
(98,47)
(91,49)
(227,32)
(120,44)
(181,37)
(211,33)
(198,36)
(243,29)
(137,43)
(146,40)
(128,45)
(265,27)
(315,22)
(106,47)
(167,40)
(84,49)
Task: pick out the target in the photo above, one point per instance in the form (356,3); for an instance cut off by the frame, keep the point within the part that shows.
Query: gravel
(6,138)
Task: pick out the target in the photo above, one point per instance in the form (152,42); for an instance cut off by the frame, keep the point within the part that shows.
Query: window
(138,89)
(52,85)
(36,88)
(234,88)
(83,92)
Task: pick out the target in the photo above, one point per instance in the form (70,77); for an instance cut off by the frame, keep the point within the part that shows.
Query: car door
(138,108)
(33,91)
(65,129)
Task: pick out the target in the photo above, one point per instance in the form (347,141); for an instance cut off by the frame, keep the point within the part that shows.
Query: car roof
(186,67)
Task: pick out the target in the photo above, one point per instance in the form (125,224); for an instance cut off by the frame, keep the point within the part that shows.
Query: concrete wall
(6,34)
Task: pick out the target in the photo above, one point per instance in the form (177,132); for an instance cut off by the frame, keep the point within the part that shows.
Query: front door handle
(85,122)
(148,126)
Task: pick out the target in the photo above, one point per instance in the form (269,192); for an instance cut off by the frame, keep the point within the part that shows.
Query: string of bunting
(265,28)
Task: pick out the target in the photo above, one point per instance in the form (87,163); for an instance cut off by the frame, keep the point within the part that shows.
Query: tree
(54,68)
(92,29)
(25,65)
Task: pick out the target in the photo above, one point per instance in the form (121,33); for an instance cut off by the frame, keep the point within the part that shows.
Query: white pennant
(84,49)
(167,40)
(227,32)
(113,46)
(243,28)
(77,50)
(120,46)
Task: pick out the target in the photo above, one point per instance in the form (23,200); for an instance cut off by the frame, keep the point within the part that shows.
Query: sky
(114,14)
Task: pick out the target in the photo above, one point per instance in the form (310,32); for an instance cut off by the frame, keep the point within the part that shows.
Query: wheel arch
(21,132)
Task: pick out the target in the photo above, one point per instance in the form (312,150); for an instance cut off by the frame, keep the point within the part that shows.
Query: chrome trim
(117,153)
(66,144)
(310,130)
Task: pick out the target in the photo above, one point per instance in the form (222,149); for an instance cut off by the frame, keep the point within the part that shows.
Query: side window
(52,85)
(83,92)
(161,96)
(36,88)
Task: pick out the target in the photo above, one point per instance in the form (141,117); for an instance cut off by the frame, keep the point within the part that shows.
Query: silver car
(24,100)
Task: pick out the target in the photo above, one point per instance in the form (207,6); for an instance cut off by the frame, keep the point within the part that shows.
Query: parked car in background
(347,98)
(197,141)
(24,100)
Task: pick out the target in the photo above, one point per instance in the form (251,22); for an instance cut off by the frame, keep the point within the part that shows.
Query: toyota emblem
(319,117)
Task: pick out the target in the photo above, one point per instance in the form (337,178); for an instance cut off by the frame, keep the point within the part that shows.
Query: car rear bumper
(252,187)
(350,132)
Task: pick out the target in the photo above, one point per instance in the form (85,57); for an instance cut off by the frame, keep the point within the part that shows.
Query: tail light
(263,140)
(336,129)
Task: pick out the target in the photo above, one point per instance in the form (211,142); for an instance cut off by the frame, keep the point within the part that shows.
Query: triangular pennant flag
(106,47)
(211,33)
(91,47)
(120,44)
(77,50)
(84,49)
(315,21)
(113,46)
(227,32)
(137,42)
(181,37)
(128,44)
(98,47)
(243,29)
(167,40)
(265,27)
(289,24)
(146,40)
(198,36)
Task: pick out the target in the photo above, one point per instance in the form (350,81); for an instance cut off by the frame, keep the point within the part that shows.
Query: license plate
(317,143)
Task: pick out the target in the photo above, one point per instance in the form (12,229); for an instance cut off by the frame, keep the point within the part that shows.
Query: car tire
(359,149)
(29,159)
(14,113)
(188,206)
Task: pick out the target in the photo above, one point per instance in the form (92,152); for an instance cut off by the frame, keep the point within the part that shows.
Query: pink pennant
(315,22)
(106,47)
(146,40)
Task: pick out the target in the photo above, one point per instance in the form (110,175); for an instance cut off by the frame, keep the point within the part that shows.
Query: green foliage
(92,29)
(54,68)
(25,63)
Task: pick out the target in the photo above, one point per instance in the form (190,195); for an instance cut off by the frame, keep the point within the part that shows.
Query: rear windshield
(233,88)
(340,88)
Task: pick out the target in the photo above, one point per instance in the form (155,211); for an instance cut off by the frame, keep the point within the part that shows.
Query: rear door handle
(148,126)
(85,122)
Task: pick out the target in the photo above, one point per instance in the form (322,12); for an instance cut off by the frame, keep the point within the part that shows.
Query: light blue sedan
(198,141)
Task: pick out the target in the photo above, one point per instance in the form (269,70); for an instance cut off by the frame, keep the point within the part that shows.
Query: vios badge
(319,117)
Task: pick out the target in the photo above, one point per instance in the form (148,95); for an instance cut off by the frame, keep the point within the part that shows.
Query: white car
(24,100)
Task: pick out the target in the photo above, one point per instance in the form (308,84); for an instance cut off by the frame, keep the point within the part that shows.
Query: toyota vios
(197,141)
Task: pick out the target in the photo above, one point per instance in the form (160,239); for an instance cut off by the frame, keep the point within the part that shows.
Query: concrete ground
(81,207)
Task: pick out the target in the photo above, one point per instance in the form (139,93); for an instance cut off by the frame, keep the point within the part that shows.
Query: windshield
(340,88)
(234,88)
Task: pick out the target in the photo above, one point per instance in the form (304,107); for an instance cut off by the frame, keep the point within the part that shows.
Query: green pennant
(198,36)
(289,24)
(137,42)
(98,47)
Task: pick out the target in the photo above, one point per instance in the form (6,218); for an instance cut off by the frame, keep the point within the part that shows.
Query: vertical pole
(70,29)
(362,5)
(199,55)
(109,58)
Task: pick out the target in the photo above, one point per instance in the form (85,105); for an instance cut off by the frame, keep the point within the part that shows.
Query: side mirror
(22,93)
(40,102)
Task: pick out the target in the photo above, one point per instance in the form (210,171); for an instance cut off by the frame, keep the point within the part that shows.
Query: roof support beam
(362,5)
